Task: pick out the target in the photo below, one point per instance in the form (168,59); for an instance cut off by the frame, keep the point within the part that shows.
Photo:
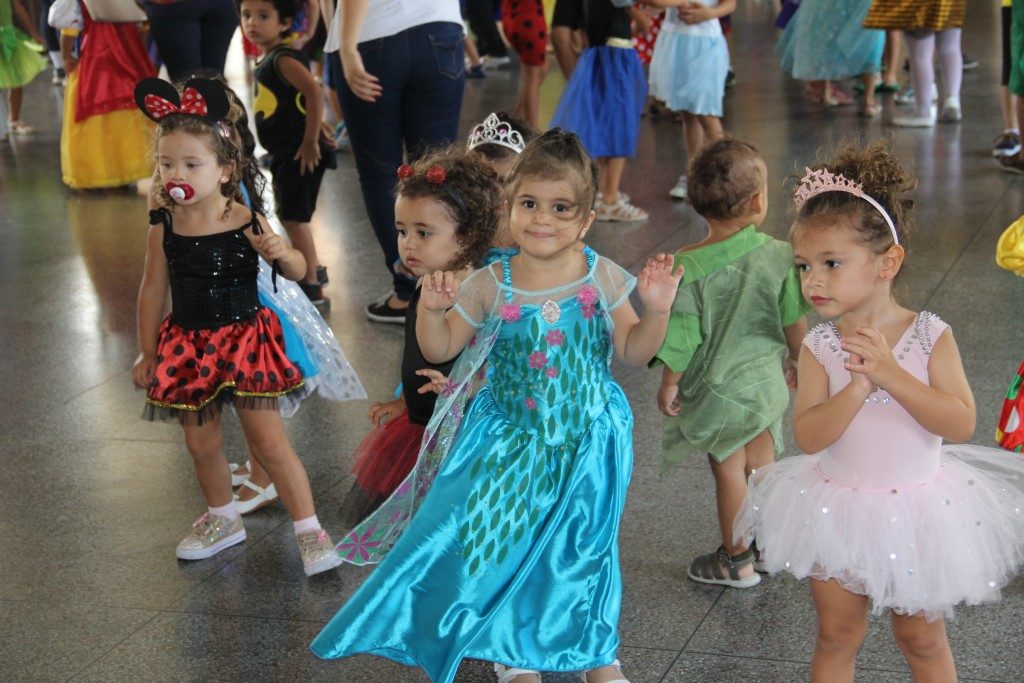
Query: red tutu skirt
(1010,432)
(382,461)
(198,370)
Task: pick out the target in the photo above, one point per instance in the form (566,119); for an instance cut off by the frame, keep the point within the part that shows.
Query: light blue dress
(825,40)
(690,64)
(512,554)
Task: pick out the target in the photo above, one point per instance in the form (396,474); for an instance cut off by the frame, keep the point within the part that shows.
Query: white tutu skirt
(688,73)
(924,548)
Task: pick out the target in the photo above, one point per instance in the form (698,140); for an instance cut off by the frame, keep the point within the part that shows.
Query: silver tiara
(494,131)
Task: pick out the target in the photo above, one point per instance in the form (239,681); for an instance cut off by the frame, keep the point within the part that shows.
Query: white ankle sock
(228,510)
(56,59)
(1011,131)
(303,526)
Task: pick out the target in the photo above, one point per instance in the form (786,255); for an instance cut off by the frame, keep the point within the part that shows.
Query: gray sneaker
(318,553)
(210,534)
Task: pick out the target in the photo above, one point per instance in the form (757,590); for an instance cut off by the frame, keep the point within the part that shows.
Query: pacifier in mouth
(180,192)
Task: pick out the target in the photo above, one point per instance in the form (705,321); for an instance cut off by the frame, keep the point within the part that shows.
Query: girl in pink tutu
(446,215)
(881,512)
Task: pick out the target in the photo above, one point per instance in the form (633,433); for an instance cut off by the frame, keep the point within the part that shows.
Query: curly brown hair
(557,155)
(231,143)
(723,177)
(469,191)
(882,177)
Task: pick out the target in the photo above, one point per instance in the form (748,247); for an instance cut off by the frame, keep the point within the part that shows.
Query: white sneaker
(210,534)
(951,110)
(678,191)
(318,553)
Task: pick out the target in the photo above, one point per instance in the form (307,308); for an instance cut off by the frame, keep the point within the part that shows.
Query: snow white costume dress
(512,556)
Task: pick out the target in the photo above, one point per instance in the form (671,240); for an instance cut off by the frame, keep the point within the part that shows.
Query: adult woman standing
(191,35)
(401,93)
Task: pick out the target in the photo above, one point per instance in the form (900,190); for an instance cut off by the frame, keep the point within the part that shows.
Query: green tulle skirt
(20,58)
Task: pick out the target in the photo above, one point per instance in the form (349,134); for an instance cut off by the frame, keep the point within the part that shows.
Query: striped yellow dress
(906,15)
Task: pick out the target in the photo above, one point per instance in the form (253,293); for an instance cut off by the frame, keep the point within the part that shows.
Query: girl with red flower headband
(219,344)
(446,215)
(512,557)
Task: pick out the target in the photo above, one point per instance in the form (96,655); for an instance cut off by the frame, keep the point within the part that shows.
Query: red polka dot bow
(191,103)
(200,97)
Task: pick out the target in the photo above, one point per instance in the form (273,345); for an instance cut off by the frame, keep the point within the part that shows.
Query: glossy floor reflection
(93,500)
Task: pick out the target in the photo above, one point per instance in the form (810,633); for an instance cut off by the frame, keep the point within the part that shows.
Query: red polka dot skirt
(199,370)
(527,32)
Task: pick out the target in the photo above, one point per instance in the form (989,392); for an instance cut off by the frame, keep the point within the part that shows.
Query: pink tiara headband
(818,182)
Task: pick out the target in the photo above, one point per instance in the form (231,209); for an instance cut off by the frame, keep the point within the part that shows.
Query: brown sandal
(708,569)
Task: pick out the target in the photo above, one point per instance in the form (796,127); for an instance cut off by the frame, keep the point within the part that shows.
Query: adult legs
(217,26)
(375,134)
(177,34)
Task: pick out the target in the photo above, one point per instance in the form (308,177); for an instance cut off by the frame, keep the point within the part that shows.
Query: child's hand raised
(657,284)
(439,290)
(437,382)
(870,356)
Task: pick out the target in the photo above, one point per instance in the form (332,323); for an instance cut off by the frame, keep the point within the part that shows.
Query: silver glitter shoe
(210,534)
(318,553)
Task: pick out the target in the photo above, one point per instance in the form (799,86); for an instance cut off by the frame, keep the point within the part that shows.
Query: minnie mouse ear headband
(818,182)
(202,98)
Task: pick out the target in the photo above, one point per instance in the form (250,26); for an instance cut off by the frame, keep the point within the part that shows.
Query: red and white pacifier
(180,192)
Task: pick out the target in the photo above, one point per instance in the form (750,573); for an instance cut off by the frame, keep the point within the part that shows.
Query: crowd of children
(491,487)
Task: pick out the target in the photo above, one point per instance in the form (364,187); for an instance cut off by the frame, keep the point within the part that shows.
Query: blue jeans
(422,76)
(192,34)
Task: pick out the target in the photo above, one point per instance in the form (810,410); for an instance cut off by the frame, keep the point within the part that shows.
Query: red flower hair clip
(436,175)
(404,171)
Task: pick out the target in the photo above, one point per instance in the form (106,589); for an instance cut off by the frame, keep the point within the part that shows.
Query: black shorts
(295,194)
(568,13)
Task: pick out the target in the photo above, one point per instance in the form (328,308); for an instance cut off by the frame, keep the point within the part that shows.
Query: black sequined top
(213,277)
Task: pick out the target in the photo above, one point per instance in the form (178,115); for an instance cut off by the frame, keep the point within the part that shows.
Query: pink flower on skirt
(538,359)
(588,311)
(530,403)
(551,372)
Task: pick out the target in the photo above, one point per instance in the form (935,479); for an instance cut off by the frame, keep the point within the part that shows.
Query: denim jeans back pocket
(448,50)
(371,52)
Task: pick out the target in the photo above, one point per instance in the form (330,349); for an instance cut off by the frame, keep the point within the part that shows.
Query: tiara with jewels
(818,182)
(494,131)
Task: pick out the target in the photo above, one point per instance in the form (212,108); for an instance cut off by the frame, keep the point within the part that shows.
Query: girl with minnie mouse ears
(219,344)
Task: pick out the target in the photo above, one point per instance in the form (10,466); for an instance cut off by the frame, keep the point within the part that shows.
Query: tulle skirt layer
(603,100)
(688,72)
(382,461)
(918,549)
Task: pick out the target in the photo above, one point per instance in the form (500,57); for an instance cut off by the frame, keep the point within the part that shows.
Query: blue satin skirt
(547,593)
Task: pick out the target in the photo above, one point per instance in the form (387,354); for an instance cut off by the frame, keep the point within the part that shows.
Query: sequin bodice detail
(551,374)
(213,278)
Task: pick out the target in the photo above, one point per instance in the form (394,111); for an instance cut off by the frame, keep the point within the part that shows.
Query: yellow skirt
(106,150)
(906,15)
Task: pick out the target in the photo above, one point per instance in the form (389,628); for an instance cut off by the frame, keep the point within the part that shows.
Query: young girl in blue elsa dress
(513,556)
